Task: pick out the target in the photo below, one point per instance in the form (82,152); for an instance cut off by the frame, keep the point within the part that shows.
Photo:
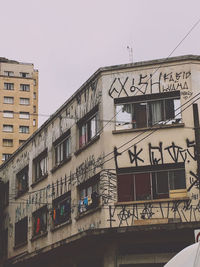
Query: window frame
(23,174)
(37,172)
(22,127)
(21,99)
(8,114)
(89,197)
(7,142)
(8,98)
(127,187)
(22,115)
(85,128)
(36,231)
(21,235)
(136,119)
(25,87)
(57,209)
(9,86)
(10,126)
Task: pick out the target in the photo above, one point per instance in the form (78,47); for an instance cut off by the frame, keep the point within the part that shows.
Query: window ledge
(20,245)
(39,236)
(151,201)
(53,229)
(55,168)
(175,125)
(39,180)
(85,213)
(87,145)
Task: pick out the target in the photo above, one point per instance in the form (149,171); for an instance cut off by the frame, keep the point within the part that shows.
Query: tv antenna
(130,51)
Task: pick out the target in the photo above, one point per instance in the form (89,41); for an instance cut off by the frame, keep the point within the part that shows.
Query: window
(24,115)
(24,129)
(61,209)
(160,109)
(5,156)
(34,95)
(7,142)
(34,109)
(22,181)
(7,128)
(24,101)
(149,185)
(9,86)
(8,100)
(25,87)
(24,74)
(9,73)
(21,231)
(62,148)
(8,114)
(88,129)
(34,122)
(40,166)
(40,221)
(89,197)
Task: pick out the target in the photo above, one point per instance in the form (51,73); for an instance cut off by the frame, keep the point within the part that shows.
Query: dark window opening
(21,230)
(22,181)
(40,166)
(40,221)
(61,211)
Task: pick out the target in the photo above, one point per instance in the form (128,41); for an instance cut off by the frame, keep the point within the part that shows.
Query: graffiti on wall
(174,211)
(149,83)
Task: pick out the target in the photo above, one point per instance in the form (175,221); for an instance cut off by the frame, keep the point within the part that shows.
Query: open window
(61,209)
(147,111)
(21,231)
(22,181)
(89,194)
(88,127)
(40,170)
(40,221)
(150,185)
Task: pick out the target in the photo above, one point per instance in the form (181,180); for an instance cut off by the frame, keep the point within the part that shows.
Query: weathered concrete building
(111,179)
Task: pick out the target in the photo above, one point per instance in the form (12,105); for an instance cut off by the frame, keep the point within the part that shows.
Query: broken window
(61,211)
(147,112)
(40,221)
(22,181)
(21,230)
(89,194)
(149,185)
(40,166)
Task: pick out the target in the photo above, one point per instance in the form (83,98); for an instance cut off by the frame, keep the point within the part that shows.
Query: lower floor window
(61,209)
(40,221)
(89,196)
(149,185)
(21,230)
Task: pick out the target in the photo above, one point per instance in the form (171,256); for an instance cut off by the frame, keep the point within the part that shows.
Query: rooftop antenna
(130,51)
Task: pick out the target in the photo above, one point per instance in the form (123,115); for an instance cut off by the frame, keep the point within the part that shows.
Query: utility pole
(197,138)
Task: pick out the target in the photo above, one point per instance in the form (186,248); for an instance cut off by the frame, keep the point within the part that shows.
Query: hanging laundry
(38,226)
(85,201)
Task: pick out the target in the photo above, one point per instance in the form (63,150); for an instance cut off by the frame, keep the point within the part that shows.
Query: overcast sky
(68,40)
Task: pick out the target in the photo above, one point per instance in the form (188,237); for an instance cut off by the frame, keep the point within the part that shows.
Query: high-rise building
(19,104)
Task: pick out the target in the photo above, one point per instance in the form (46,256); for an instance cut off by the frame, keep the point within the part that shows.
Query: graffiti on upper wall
(149,83)
(157,154)
(177,211)
(108,186)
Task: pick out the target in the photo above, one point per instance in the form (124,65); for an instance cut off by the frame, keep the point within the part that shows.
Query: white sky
(69,40)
